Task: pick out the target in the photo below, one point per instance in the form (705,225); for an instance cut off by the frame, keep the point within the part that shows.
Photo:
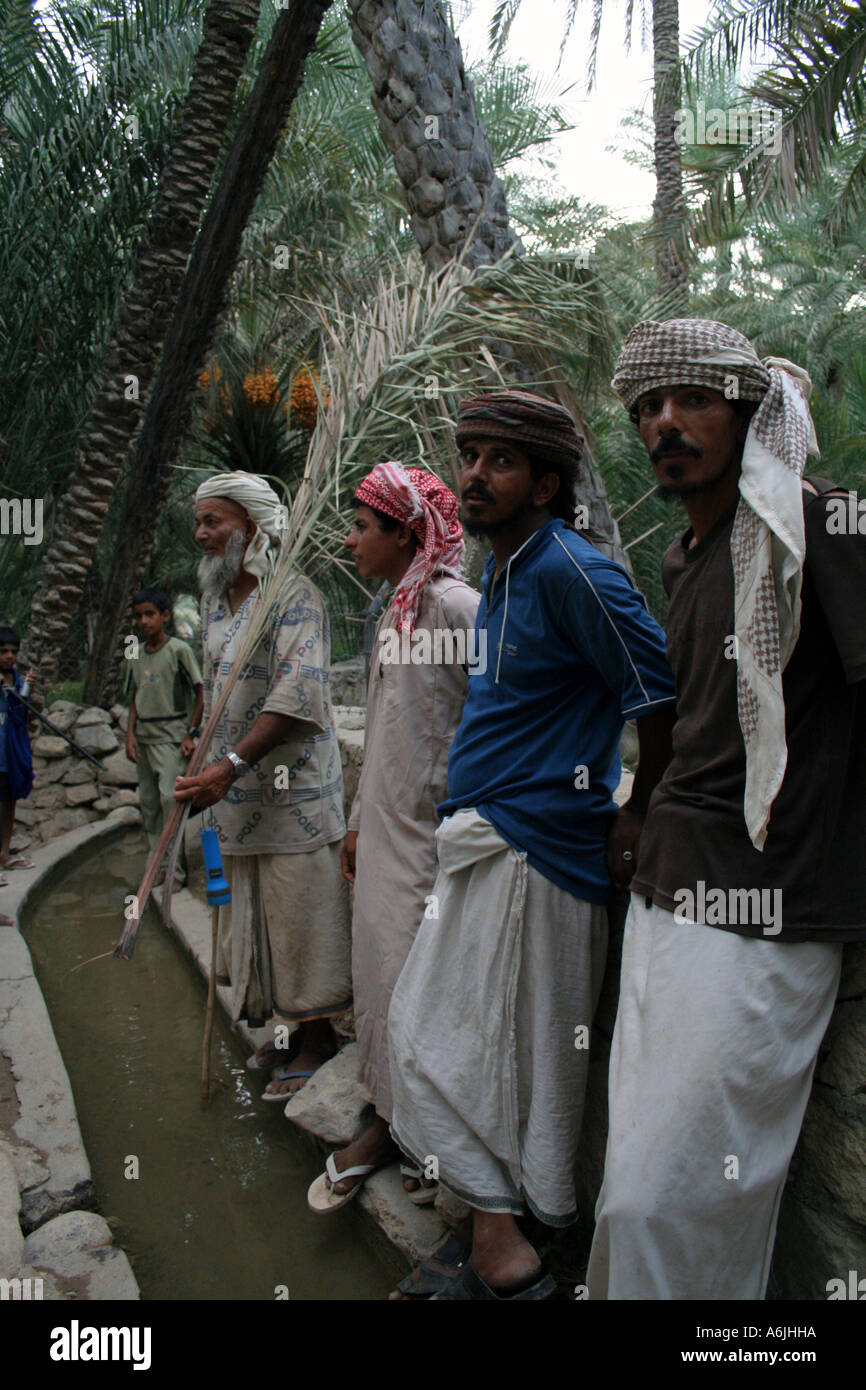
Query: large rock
(55,770)
(76,1252)
(25,814)
(91,716)
(347,684)
(853,982)
(349,722)
(843,1064)
(51,798)
(96,738)
(120,715)
(120,771)
(63,713)
(121,796)
(82,794)
(70,819)
(31,1170)
(11,1239)
(414,1230)
(50,746)
(812,1247)
(350,718)
(81,771)
(332,1103)
(66,1234)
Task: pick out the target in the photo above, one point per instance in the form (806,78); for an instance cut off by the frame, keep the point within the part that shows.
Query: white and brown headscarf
(768,544)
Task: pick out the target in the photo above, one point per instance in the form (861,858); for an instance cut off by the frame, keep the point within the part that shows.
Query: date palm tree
(429,120)
(814,84)
(473,225)
(132,354)
(184,344)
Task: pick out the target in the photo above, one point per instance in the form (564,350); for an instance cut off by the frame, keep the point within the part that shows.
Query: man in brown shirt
(750,870)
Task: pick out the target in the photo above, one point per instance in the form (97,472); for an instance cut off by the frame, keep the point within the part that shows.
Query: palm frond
(391,372)
(739,29)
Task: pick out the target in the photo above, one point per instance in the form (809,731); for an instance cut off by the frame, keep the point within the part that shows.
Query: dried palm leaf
(387,369)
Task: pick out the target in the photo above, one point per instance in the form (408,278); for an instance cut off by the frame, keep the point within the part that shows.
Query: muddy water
(218,1209)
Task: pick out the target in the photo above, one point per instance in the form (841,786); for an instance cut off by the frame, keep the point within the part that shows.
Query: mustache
(476,490)
(674,444)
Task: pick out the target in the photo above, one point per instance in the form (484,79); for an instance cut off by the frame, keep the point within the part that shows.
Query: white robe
(412,715)
(490,1025)
(710,1071)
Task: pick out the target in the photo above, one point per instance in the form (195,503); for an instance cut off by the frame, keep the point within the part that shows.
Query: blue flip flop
(286,1074)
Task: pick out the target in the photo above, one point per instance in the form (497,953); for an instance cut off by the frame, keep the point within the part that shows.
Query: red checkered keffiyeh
(423,503)
(768,541)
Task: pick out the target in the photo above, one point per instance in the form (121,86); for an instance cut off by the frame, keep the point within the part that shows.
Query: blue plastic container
(218,891)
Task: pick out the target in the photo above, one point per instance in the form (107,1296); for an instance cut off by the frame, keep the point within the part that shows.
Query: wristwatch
(193,730)
(241,768)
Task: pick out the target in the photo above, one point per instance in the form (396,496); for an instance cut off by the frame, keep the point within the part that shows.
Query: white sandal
(323,1200)
(422,1196)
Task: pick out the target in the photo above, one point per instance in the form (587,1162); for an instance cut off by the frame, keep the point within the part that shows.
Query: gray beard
(217,573)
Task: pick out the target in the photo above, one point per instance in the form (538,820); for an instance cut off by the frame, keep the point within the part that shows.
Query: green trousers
(158,765)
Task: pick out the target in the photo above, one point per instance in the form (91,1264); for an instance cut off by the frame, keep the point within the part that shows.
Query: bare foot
(305,1061)
(501,1255)
(316,1044)
(411,1183)
(374,1146)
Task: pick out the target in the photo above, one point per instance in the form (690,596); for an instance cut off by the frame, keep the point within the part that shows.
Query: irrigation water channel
(218,1209)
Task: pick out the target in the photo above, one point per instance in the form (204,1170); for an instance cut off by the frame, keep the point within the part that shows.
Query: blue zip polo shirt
(571,653)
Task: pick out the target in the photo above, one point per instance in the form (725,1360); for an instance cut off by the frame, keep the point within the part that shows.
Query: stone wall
(68,791)
(348,685)
(822,1223)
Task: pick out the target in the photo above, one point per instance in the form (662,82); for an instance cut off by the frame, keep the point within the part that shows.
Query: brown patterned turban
(768,542)
(541,428)
(688,352)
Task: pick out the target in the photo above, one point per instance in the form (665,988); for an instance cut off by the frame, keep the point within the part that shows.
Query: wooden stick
(126,941)
(208,1021)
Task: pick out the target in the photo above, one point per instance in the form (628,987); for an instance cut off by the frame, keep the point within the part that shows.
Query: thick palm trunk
(443,158)
(428,120)
(133,351)
(196,316)
(668,206)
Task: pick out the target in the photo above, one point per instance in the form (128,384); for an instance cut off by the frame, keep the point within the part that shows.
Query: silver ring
(627,855)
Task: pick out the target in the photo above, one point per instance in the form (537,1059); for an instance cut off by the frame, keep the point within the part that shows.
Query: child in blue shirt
(16,759)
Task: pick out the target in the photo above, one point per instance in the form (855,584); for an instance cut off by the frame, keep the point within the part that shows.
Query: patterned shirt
(291,801)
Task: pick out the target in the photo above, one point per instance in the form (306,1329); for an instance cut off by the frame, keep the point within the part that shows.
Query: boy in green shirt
(161,735)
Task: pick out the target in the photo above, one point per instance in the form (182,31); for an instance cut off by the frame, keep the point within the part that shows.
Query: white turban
(259,501)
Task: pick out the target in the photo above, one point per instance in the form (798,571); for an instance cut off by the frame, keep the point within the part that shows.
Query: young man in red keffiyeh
(407,531)
(750,872)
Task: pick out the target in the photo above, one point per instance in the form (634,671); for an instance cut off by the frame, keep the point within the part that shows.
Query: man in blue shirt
(491,1017)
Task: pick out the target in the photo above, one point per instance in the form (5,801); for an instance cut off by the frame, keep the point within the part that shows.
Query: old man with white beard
(276,785)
